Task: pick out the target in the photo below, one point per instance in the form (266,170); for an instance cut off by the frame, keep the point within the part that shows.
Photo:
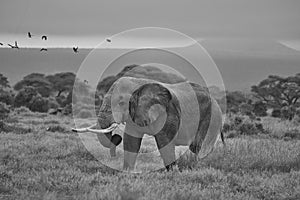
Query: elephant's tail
(222,138)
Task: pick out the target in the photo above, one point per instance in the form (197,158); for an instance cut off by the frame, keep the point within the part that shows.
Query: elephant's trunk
(106,122)
(107,125)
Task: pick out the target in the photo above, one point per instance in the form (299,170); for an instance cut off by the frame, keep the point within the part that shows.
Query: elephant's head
(114,110)
(151,101)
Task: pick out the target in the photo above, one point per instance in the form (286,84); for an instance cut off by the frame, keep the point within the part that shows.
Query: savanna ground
(41,159)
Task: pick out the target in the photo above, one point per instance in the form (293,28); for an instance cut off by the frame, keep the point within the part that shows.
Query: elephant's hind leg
(195,146)
(167,150)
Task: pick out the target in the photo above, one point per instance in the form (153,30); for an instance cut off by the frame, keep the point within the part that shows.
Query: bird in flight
(14,47)
(44,49)
(75,49)
(44,37)
(108,40)
(29,35)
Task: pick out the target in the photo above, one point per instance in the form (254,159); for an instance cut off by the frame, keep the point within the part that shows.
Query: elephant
(181,114)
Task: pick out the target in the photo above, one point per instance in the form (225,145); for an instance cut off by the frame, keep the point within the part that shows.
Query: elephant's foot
(171,166)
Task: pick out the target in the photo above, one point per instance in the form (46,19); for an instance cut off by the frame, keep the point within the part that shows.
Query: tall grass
(56,165)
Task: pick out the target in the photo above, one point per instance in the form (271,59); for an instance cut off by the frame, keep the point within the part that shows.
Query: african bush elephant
(175,114)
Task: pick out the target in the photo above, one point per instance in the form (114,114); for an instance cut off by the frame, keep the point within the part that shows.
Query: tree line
(40,92)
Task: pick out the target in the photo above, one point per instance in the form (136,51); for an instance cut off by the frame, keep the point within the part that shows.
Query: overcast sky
(84,22)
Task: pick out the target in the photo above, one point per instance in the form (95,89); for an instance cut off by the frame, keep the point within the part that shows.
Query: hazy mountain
(242,63)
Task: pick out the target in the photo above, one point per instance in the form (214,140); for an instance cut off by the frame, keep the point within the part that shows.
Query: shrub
(39,104)
(6,97)
(22,109)
(4,111)
(288,112)
(297,112)
(56,128)
(85,114)
(238,120)
(242,126)
(226,127)
(293,134)
(61,100)
(71,98)
(232,134)
(17,129)
(67,109)
(246,109)
(52,103)
(276,113)
(260,109)
(248,128)
(24,96)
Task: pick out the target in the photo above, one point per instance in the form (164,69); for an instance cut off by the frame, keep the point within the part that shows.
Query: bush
(246,109)
(248,128)
(297,112)
(52,103)
(85,114)
(61,100)
(288,112)
(67,109)
(22,109)
(260,109)
(276,113)
(4,111)
(6,97)
(39,104)
(56,128)
(238,120)
(24,96)
(293,134)
(4,127)
(242,126)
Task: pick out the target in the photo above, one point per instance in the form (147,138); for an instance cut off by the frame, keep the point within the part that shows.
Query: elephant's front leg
(132,146)
(166,148)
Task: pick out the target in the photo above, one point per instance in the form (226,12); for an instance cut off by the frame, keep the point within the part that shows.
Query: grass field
(41,159)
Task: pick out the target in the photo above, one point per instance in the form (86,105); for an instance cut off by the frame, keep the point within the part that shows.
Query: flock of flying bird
(44,37)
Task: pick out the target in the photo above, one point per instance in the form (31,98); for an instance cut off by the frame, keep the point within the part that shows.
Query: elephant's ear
(158,99)
(133,103)
(155,111)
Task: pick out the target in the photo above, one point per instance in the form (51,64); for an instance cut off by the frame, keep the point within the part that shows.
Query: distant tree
(4,83)
(234,100)
(39,104)
(36,80)
(24,96)
(278,92)
(62,82)
(6,96)
(246,109)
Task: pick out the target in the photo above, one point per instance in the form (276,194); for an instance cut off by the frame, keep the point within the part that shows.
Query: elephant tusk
(89,129)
